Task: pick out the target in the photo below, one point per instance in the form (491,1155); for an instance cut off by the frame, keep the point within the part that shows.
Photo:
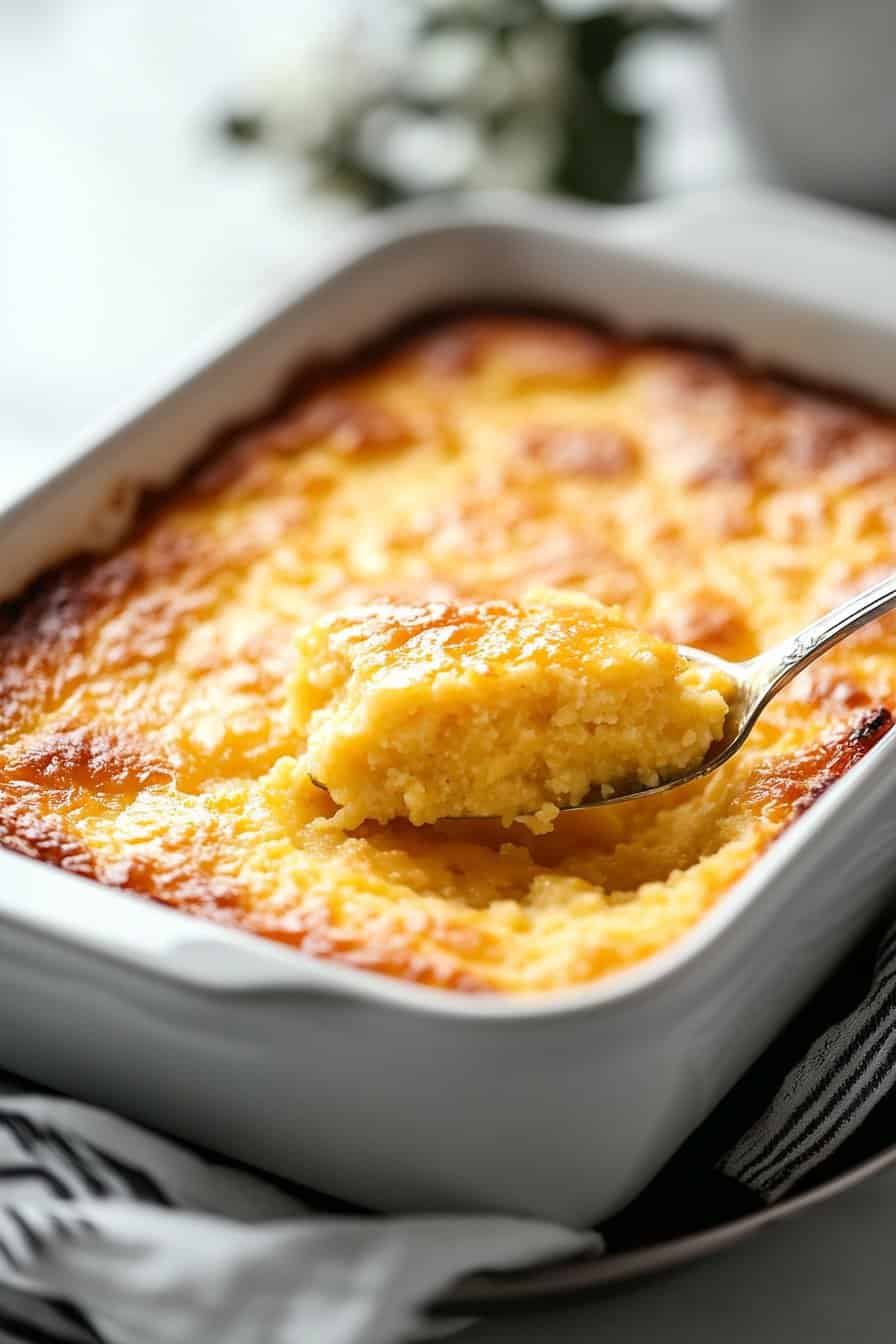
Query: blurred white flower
(521,156)
(492,89)
(419,152)
(530,69)
(416,96)
(446,66)
(539,56)
(326,88)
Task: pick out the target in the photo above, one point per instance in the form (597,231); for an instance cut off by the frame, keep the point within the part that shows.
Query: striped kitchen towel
(827,1095)
(110,1234)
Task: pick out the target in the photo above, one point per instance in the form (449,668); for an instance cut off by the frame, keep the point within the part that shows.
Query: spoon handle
(781,663)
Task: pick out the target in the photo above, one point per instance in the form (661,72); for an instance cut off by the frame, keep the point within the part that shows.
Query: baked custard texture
(495,709)
(146,734)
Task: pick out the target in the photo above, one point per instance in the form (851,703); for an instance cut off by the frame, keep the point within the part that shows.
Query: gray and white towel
(112,1235)
(828,1094)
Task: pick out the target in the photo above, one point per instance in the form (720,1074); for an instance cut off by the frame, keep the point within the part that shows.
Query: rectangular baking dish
(386,1093)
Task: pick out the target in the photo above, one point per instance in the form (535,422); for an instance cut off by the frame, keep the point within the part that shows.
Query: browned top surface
(144,738)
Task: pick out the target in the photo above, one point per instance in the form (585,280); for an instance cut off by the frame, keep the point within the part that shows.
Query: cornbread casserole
(507,709)
(145,728)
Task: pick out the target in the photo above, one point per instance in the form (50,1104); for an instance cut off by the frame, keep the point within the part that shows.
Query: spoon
(757,680)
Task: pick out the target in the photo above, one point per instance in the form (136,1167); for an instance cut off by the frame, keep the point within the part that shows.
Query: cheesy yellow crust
(145,732)
(495,709)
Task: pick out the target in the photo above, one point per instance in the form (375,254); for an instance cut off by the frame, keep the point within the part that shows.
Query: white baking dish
(387,1093)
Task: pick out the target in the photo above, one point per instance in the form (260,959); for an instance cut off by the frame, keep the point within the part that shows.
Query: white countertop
(128,230)
(126,233)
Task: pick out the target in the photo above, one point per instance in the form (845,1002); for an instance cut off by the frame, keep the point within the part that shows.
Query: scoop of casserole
(507,709)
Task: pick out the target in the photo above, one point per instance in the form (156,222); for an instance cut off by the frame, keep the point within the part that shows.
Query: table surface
(823,1277)
(127,233)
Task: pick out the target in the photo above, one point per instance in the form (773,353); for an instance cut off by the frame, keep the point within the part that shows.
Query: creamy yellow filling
(495,709)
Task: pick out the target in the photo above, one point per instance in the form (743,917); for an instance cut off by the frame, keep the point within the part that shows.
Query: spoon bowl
(756,681)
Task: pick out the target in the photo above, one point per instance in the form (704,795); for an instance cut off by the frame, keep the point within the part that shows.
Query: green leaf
(243,128)
(597,42)
(601,149)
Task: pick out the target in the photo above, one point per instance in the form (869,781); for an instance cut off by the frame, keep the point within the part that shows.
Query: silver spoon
(760,678)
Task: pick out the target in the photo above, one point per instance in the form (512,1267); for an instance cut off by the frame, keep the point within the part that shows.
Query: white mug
(814,86)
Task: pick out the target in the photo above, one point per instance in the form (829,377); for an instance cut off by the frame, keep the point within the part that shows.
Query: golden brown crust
(594,451)
(706,619)
(787,786)
(30,826)
(89,758)
(144,739)
(526,351)
(369,949)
